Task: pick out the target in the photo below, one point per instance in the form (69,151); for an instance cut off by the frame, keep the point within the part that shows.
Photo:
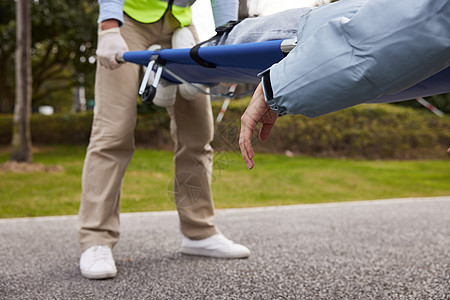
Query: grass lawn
(276,180)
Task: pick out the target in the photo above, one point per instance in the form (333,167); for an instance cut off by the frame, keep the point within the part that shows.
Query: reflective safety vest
(150,11)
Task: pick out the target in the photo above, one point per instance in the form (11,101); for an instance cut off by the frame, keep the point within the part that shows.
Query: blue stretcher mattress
(234,63)
(240,63)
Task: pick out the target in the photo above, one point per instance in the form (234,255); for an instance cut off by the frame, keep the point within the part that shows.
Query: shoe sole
(99,275)
(202,252)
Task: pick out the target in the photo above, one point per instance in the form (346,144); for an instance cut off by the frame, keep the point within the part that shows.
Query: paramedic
(347,53)
(135,25)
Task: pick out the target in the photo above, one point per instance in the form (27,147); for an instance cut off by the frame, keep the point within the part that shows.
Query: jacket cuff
(268,93)
(111,10)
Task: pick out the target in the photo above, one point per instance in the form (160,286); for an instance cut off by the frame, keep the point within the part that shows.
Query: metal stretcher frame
(241,63)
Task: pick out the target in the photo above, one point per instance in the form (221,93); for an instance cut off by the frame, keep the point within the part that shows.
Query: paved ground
(396,249)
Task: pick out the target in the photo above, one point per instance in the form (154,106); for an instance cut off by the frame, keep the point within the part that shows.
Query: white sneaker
(97,262)
(215,246)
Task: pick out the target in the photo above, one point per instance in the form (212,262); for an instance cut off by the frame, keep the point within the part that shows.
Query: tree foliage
(63,47)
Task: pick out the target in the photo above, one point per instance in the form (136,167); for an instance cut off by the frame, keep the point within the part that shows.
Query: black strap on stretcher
(220,31)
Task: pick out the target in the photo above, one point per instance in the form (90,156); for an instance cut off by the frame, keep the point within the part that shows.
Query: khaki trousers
(111,147)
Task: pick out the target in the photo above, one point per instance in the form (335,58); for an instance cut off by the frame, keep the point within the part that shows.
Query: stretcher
(241,63)
(238,63)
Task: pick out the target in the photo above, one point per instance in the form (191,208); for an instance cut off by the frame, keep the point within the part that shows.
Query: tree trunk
(21,135)
(79,99)
(243,9)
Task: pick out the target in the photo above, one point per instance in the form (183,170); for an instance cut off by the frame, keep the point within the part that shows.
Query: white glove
(165,94)
(110,42)
(189,92)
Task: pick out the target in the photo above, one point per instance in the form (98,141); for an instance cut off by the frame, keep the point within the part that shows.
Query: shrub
(372,131)
(151,130)
(375,131)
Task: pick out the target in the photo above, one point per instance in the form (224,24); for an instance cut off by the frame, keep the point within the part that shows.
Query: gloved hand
(110,42)
(165,93)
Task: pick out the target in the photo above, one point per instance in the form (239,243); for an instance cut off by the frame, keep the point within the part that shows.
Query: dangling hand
(257,111)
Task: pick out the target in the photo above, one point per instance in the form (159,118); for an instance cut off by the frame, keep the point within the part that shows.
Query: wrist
(113,30)
(268,94)
(108,24)
(266,85)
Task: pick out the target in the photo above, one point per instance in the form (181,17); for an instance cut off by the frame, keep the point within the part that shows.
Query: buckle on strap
(226,27)
(221,30)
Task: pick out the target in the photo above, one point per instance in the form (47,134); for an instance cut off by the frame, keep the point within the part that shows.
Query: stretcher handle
(119,58)
(287,45)
(146,77)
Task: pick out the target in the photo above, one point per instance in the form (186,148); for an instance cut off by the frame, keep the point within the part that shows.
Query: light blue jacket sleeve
(111,9)
(353,51)
(224,11)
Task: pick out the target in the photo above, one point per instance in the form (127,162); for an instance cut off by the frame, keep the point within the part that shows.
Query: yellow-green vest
(150,11)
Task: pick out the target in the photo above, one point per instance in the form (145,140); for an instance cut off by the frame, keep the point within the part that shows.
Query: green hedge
(375,131)
(366,131)
(151,130)
(66,128)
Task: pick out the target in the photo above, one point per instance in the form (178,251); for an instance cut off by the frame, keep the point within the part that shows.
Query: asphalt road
(386,249)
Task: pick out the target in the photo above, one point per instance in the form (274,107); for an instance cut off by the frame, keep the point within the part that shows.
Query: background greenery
(347,146)
(375,131)
(276,180)
(63,54)
(353,140)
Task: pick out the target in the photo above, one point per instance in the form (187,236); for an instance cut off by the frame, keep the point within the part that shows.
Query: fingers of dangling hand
(245,139)
(254,114)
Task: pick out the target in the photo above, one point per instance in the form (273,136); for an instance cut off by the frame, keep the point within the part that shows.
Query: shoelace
(101,252)
(227,241)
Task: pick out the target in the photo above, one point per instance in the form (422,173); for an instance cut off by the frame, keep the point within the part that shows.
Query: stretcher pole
(430,107)
(225,104)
